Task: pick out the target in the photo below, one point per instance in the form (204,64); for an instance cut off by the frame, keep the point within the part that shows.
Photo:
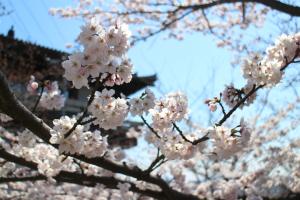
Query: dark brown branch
(222,107)
(273,4)
(88,121)
(89,181)
(79,165)
(109,182)
(160,163)
(155,162)
(38,100)
(296,61)
(165,25)
(71,177)
(195,142)
(244,11)
(181,133)
(292,60)
(202,139)
(151,129)
(16,110)
(139,175)
(22,179)
(243,100)
(12,158)
(207,21)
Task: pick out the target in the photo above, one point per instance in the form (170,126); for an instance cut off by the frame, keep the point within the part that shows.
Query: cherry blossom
(110,112)
(52,98)
(103,55)
(173,108)
(268,70)
(32,86)
(227,142)
(139,106)
(90,144)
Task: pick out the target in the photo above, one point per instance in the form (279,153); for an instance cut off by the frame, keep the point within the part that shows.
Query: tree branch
(227,115)
(71,177)
(22,179)
(155,162)
(273,4)
(151,129)
(194,142)
(39,98)
(16,110)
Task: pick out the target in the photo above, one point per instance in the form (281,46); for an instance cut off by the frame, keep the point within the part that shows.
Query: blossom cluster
(139,106)
(231,95)
(124,191)
(110,112)
(51,97)
(212,104)
(90,144)
(103,55)
(228,141)
(27,138)
(49,161)
(173,147)
(167,111)
(268,70)
(50,165)
(32,86)
(6,168)
(4,117)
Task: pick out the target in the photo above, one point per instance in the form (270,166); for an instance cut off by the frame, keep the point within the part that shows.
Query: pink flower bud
(212,107)
(34,85)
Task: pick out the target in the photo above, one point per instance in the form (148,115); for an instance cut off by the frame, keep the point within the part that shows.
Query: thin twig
(155,162)
(227,115)
(38,100)
(296,61)
(165,24)
(79,165)
(195,142)
(88,121)
(159,164)
(222,107)
(91,99)
(151,129)
(207,22)
(181,133)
